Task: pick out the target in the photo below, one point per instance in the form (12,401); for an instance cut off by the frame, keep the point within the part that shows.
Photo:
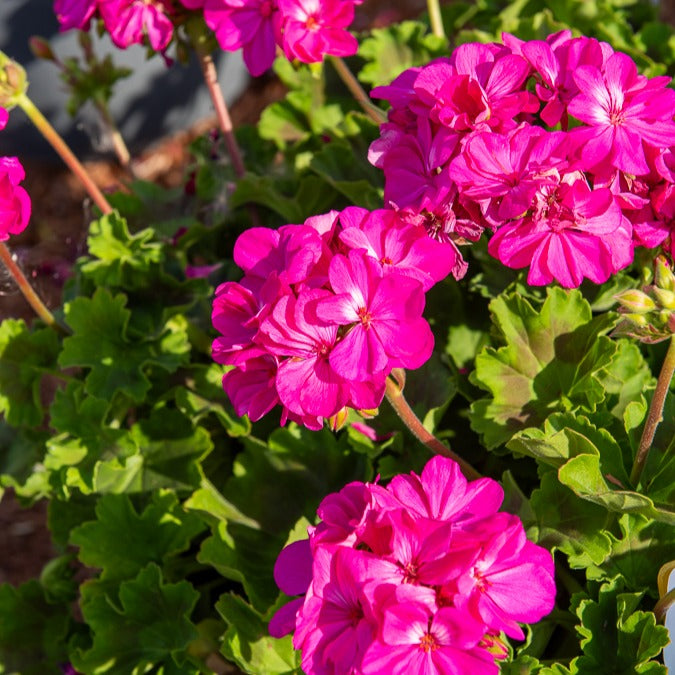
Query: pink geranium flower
(578,233)
(416,637)
(314,28)
(250,25)
(131,21)
(15,204)
(252,385)
(384,315)
(624,110)
(74,13)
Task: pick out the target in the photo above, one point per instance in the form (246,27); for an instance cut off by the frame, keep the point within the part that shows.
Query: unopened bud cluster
(649,314)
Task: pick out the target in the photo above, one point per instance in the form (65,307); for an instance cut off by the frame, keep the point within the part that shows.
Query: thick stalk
(435,18)
(655,413)
(48,131)
(28,291)
(398,402)
(378,116)
(222,113)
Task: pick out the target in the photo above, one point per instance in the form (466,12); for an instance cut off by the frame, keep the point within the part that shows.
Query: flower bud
(13,81)
(337,421)
(664,297)
(635,301)
(40,48)
(663,274)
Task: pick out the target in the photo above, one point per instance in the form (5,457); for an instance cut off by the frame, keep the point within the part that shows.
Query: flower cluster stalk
(655,413)
(222,113)
(402,408)
(435,18)
(378,116)
(28,291)
(48,131)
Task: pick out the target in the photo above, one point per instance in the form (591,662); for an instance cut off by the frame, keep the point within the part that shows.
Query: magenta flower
(15,205)
(307,383)
(416,637)
(384,314)
(314,28)
(578,233)
(131,21)
(624,110)
(4,118)
(250,25)
(74,13)
(252,386)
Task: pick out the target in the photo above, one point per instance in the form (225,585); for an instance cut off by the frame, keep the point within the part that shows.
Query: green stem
(119,146)
(28,291)
(48,131)
(378,116)
(222,113)
(402,408)
(435,18)
(664,604)
(655,413)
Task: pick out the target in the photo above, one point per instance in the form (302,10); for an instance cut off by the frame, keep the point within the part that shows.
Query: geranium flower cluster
(422,576)
(304,29)
(324,311)
(15,205)
(558,147)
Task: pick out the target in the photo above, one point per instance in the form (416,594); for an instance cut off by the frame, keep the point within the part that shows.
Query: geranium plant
(387,386)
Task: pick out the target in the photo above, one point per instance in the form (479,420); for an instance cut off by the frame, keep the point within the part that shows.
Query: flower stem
(435,18)
(402,408)
(655,413)
(378,116)
(119,146)
(222,113)
(48,131)
(28,291)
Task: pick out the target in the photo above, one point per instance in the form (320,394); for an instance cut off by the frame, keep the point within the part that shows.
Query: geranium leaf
(550,363)
(147,626)
(24,358)
(616,637)
(116,362)
(33,631)
(120,258)
(163,529)
(248,643)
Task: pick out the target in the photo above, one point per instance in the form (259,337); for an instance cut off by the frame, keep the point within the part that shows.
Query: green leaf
(248,643)
(33,631)
(148,627)
(391,50)
(566,522)
(121,259)
(25,356)
(208,500)
(337,164)
(169,449)
(163,529)
(116,362)
(638,549)
(551,362)
(245,555)
(616,637)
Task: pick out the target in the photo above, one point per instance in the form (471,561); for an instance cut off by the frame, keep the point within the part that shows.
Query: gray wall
(153,102)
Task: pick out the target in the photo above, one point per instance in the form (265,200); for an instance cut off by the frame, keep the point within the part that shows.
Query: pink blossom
(509,579)
(252,386)
(398,246)
(250,25)
(15,204)
(314,28)
(4,118)
(624,110)
(384,314)
(578,233)
(416,637)
(74,13)
(307,383)
(131,21)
